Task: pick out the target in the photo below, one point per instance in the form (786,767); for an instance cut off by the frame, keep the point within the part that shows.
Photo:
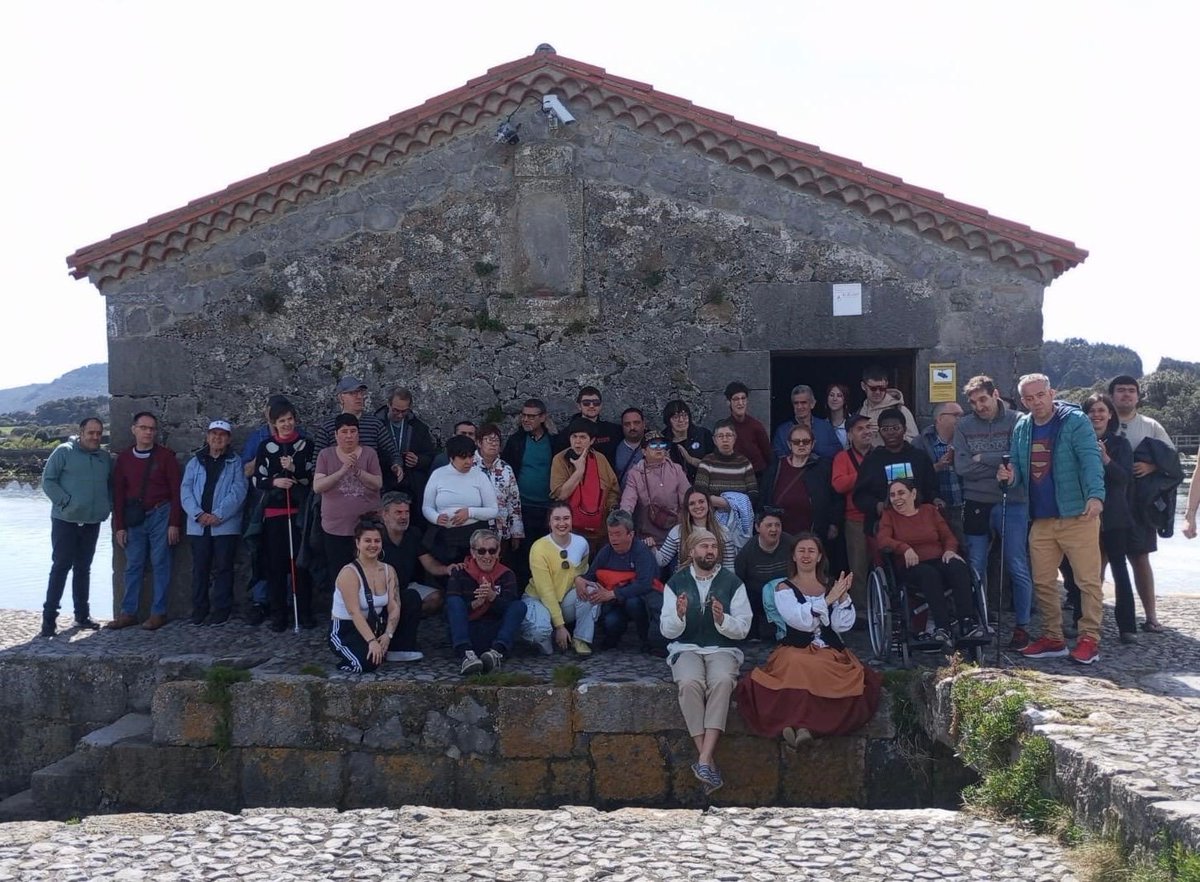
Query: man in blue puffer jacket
(1056,457)
(212,494)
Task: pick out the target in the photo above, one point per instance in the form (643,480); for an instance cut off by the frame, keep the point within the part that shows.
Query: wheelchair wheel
(879,615)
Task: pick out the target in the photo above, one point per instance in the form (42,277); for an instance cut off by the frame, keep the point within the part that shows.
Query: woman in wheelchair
(811,684)
(926,554)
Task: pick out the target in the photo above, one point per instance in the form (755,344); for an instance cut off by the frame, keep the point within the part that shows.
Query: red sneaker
(1045,647)
(1086,650)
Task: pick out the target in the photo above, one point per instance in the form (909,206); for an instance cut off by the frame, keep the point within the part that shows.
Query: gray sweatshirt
(991,441)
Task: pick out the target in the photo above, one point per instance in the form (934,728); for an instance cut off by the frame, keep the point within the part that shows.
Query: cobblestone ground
(727,845)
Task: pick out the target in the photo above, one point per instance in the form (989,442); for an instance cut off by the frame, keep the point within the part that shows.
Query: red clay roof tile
(499,92)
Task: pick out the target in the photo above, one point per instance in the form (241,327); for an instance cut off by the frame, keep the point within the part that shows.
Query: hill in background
(89,381)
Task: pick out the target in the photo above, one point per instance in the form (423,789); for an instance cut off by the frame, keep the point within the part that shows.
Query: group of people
(700,539)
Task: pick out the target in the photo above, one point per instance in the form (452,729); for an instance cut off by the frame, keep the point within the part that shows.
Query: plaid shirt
(949,484)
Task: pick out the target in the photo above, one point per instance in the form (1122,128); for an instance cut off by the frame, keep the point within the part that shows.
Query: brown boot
(123,620)
(153,623)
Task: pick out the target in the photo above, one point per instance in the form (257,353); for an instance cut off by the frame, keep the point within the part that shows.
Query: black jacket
(872,485)
(1118,485)
(829,507)
(605,439)
(699,444)
(419,440)
(514,450)
(1154,495)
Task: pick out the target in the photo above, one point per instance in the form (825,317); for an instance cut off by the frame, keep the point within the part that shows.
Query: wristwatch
(387,634)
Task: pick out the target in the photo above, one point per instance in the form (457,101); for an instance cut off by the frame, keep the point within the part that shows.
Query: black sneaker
(49,629)
(198,616)
(257,615)
(278,623)
(307,622)
(492,660)
(87,624)
(942,636)
(219,617)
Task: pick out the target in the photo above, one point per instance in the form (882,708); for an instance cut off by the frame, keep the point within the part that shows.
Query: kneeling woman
(811,684)
(366,607)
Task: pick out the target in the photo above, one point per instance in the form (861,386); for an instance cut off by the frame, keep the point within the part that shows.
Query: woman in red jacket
(928,560)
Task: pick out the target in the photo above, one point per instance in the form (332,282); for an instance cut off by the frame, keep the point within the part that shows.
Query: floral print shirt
(508,522)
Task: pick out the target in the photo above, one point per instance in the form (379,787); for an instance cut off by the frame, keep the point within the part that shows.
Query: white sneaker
(471,664)
(492,660)
(401,655)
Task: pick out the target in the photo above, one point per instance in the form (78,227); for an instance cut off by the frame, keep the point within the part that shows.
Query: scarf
(493,575)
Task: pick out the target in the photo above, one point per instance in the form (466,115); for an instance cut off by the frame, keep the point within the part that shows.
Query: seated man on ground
(811,684)
(551,601)
(483,608)
(705,614)
(623,581)
(765,558)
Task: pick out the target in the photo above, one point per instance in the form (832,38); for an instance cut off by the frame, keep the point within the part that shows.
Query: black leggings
(931,578)
(278,567)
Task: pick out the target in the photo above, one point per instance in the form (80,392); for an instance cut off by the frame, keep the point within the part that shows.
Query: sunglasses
(486,551)
(871,387)
(590,402)
(658,445)
(566,564)
(800,442)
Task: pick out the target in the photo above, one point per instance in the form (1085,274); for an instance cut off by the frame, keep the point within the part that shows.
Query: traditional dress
(811,681)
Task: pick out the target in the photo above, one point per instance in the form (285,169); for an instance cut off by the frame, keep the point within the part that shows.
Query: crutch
(1005,461)
(292,562)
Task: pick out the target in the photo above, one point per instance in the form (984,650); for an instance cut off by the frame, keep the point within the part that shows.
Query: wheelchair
(899,622)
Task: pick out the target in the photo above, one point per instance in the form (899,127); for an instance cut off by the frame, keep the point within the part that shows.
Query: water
(25,551)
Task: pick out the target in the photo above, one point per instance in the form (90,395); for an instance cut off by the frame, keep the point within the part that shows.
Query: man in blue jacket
(1056,457)
(212,494)
(78,480)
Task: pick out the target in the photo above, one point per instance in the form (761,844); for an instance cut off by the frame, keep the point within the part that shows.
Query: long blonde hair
(710,524)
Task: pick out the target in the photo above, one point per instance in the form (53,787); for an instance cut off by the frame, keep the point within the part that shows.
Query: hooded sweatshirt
(79,483)
(891,398)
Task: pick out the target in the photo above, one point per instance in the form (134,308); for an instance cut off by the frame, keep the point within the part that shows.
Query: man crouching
(705,612)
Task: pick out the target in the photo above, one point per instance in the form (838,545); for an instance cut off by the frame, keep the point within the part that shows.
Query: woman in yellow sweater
(551,600)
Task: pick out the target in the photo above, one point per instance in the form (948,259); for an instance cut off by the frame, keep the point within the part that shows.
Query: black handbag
(135,509)
(375,621)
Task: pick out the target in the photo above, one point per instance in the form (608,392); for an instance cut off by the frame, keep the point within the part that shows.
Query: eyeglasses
(873,387)
(566,564)
(590,402)
(658,445)
(530,416)
(486,551)
(800,442)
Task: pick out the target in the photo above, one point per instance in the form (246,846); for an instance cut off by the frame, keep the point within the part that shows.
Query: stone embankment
(1123,732)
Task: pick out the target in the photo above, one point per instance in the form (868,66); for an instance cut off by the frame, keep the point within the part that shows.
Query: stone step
(71,786)
(20,807)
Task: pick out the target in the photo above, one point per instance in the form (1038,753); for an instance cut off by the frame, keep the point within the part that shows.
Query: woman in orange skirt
(812,684)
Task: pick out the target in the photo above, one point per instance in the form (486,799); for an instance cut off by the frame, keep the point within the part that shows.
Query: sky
(1070,117)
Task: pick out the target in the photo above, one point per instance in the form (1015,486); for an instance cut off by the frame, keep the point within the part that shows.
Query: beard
(705,564)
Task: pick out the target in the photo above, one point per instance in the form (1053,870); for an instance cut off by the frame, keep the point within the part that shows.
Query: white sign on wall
(847,299)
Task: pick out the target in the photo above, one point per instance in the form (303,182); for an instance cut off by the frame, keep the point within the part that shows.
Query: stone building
(650,247)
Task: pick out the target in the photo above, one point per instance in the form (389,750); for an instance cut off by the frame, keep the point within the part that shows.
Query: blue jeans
(497,629)
(149,540)
(616,615)
(1016,555)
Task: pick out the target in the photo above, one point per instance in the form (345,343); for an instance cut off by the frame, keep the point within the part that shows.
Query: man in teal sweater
(78,480)
(1056,457)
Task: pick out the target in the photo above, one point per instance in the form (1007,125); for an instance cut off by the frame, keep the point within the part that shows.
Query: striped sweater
(718,474)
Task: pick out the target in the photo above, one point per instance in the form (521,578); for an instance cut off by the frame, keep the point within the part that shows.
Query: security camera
(556,110)
(506,133)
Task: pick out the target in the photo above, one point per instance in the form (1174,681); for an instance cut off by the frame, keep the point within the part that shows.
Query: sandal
(1153,627)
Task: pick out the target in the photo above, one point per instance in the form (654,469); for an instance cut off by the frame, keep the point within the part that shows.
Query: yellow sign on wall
(943,381)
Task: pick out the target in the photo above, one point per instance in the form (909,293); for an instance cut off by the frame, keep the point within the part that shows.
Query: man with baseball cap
(212,494)
(351,393)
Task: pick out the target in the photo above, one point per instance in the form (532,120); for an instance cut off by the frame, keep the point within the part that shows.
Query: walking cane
(292,562)
(1005,461)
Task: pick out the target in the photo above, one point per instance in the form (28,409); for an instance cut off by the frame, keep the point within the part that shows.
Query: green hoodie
(79,483)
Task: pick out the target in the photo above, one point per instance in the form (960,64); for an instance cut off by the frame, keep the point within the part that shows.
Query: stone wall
(480,274)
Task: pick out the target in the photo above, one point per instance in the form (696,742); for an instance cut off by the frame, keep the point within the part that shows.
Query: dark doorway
(822,369)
